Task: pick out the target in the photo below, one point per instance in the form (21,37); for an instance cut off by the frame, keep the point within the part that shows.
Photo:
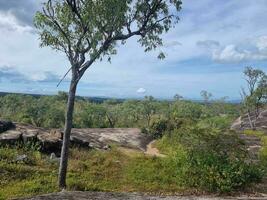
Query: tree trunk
(250,121)
(66,137)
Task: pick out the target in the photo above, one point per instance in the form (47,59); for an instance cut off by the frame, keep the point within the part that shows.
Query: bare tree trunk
(250,121)
(66,137)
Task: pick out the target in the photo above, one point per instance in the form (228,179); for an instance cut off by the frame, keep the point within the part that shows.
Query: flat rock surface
(98,138)
(125,196)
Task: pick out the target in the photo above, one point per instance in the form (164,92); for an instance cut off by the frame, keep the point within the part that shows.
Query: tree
(206,96)
(90,30)
(178,97)
(113,111)
(255,95)
(148,109)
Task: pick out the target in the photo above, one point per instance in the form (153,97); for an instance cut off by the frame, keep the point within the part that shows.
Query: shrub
(216,173)
(158,127)
(215,161)
(220,122)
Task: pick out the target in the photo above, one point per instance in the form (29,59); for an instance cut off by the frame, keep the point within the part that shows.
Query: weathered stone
(134,196)
(29,135)
(100,137)
(244,122)
(21,158)
(54,158)
(57,133)
(10,137)
(51,140)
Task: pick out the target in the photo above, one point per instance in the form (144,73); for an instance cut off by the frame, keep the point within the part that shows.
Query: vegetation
(256,95)
(148,114)
(87,31)
(195,138)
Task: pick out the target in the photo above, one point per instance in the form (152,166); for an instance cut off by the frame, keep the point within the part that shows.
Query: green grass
(254,133)
(263,150)
(112,171)
(185,169)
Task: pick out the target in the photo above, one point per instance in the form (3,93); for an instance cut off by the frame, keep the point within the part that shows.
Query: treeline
(148,114)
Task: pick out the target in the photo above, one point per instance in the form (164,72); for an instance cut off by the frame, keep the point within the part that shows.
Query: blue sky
(207,50)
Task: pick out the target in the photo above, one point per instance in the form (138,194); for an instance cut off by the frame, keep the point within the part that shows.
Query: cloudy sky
(207,50)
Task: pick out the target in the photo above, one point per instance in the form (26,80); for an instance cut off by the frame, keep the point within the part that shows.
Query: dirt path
(153,151)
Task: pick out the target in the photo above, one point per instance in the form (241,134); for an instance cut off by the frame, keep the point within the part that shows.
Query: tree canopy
(86,30)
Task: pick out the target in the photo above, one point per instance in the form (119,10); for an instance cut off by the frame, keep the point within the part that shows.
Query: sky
(207,50)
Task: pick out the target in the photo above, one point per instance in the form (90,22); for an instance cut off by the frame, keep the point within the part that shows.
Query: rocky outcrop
(128,196)
(244,122)
(50,140)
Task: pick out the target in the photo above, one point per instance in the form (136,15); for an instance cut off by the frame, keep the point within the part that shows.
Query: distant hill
(102,99)
(92,99)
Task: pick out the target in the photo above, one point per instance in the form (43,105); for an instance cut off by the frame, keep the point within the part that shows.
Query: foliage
(194,136)
(49,112)
(158,127)
(219,122)
(215,161)
(256,95)
(206,96)
(186,110)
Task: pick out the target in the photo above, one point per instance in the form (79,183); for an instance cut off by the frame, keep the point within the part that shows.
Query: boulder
(50,141)
(97,138)
(10,137)
(30,135)
(243,122)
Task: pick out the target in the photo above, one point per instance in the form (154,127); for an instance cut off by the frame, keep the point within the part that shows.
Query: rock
(6,125)
(54,158)
(64,195)
(106,147)
(10,137)
(21,158)
(97,138)
(30,135)
(50,142)
(243,123)
(56,133)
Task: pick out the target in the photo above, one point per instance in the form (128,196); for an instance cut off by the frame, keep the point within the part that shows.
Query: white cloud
(261,43)
(229,53)
(223,26)
(256,50)
(9,23)
(141,90)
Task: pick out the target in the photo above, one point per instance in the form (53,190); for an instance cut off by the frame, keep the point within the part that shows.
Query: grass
(263,150)
(32,177)
(254,133)
(118,170)
(112,171)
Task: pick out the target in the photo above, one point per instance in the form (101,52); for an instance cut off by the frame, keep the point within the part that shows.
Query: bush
(215,161)
(220,122)
(158,127)
(186,109)
(216,173)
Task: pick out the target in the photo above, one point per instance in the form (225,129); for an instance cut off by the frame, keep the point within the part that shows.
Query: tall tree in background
(90,30)
(206,96)
(256,93)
